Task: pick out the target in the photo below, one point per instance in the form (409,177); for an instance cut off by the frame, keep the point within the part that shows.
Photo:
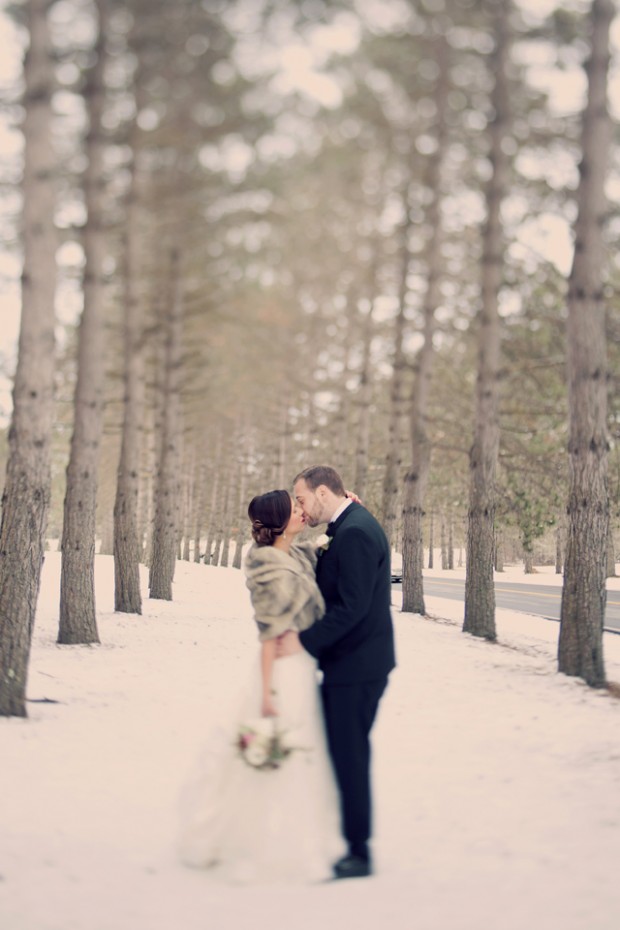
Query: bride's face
(297,520)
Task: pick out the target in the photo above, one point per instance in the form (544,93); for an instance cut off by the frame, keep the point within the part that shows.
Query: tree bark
(417,475)
(212,521)
(164,554)
(127,542)
(499,551)
(444,544)
(558,551)
(280,428)
(431,539)
(611,553)
(188,491)
(580,651)
(148,465)
(78,619)
(479,590)
(398,403)
(242,518)
(223,542)
(186,552)
(363,402)
(25,501)
(200,503)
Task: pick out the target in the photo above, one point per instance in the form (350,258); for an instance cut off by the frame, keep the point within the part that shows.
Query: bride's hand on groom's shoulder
(287,644)
(353,496)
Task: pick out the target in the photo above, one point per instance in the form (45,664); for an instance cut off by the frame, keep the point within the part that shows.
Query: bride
(264,807)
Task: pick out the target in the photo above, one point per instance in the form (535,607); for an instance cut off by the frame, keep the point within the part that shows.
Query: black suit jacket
(354,642)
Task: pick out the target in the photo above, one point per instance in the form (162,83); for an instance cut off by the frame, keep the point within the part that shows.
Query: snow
(496,779)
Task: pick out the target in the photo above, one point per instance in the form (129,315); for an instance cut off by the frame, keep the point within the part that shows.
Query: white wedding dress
(249,825)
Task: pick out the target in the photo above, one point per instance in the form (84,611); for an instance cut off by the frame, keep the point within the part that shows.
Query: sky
(300,67)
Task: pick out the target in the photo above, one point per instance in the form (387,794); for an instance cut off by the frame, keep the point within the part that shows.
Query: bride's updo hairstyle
(269,514)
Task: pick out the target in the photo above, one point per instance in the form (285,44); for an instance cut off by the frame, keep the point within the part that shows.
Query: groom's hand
(287,644)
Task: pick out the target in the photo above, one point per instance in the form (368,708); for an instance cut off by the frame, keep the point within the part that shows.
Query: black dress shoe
(352,867)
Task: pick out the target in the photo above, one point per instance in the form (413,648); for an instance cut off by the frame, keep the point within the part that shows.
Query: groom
(354,644)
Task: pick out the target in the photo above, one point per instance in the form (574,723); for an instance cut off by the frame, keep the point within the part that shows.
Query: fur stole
(283,589)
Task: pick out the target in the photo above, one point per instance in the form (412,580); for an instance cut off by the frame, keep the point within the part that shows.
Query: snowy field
(497,781)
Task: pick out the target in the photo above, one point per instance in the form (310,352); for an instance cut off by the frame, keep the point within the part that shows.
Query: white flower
(262,726)
(288,739)
(322,542)
(262,745)
(256,753)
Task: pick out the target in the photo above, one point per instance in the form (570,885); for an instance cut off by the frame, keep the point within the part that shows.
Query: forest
(255,235)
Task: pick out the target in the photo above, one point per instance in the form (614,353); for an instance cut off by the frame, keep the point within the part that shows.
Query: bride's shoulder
(261,555)
(265,560)
(305,554)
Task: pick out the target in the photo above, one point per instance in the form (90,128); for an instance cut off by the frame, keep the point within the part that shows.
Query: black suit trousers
(350,711)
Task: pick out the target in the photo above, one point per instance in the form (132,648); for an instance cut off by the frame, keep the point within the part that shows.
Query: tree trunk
(188,508)
(211,532)
(239,544)
(582,614)
(499,551)
(479,590)
(224,525)
(148,468)
(450,542)
(212,522)
(611,553)
(393,460)
(558,551)
(431,539)
(127,543)
(341,438)
(200,503)
(363,402)
(444,544)
(528,562)
(164,555)
(78,618)
(217,547)
(417,475)
(25,501)
(225,549)
(242,518)
(279,428)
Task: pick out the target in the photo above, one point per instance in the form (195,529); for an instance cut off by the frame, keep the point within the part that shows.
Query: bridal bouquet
(262,745)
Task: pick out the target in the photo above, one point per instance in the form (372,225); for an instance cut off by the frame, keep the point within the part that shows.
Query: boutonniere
(322,542)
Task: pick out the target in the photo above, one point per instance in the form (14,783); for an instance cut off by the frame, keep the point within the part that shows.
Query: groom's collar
(337,514)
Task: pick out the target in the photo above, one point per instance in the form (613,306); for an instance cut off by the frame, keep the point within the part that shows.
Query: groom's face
(311,503)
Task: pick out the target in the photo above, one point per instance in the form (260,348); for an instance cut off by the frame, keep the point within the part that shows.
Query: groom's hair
(322,474)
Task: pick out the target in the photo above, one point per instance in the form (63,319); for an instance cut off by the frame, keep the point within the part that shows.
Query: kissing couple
(274,801)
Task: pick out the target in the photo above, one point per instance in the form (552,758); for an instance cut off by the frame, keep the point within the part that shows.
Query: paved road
(541,600)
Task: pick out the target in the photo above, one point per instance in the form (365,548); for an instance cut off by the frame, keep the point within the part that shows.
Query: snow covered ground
(497,781)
